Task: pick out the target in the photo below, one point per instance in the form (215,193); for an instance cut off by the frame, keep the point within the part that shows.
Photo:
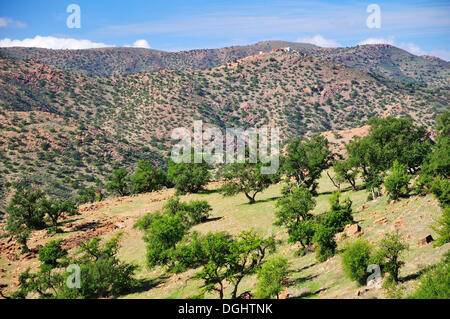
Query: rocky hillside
(63,129)
(383,59)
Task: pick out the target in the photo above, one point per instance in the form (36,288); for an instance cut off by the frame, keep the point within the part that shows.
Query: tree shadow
(413,276)
(307,294)
(298,281)
(146,284)
(212,219)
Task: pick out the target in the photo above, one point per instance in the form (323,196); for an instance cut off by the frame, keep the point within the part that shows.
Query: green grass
(307,277)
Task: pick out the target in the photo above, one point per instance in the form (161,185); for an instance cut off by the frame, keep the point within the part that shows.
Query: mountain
(62,129)
(383,59)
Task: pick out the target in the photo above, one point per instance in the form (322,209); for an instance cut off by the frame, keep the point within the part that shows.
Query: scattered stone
(363,207)
(425,240)
(246,295)
(398,223)
(381,221)
(351,230)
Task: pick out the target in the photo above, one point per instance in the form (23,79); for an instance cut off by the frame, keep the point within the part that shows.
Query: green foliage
(397,182)
(294,214)
(102,273)
(147,178)
(188,177)
(119,183)
(246,178)
(389,253)
(355,259)
(326,245)
(86,195)
(161,236)
(50,253)
(443,227)
(54,208)
(270,278)
(339,215)
(25,214)
(223,258)
(435,282)
(346,171)
(193,212)
(306,160)
(390,139)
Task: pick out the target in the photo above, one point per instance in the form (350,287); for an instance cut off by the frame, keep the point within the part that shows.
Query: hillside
(63,129)
(386,60)
(411,217)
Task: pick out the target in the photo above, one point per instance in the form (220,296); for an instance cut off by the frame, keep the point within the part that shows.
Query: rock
(351,230)
(398,223)
(381,221)
(425,240)
(246,295)
(363,207)
(392,202)
(16,283)
(285,294)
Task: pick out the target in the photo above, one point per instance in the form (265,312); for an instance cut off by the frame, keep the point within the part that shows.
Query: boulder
(351,230)
(425,240)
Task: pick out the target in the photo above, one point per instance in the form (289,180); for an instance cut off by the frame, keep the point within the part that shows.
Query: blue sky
(421,27)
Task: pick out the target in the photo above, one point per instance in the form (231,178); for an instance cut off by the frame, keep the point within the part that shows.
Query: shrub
(435,282)
(443,228)
(339,214)
(270,278)
(355,260)
(397,182)
(388,255)
(326,245)
(188,177)
(147,178)
(50,253)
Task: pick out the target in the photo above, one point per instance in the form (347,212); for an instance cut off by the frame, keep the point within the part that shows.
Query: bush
(50,253)
(270,278)
(443,228)
(435,282)
(119,183)
(188,177)
(102,273)
(355,260)
(147,178)
(397,182)
(326,245)
(388,255)
(193,212)
(339,214)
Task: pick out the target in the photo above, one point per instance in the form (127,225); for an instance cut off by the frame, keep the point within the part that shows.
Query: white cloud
(141,44)
(52,43)
(412,48)
(320,41)
(389,40)
(8,22)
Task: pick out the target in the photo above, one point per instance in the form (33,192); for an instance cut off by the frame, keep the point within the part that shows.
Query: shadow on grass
(271,199)
(298,281)
(308,294)
(146,284)
(212,219)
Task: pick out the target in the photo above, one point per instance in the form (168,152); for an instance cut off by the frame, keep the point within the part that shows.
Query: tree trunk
(236,288)
(374,197)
